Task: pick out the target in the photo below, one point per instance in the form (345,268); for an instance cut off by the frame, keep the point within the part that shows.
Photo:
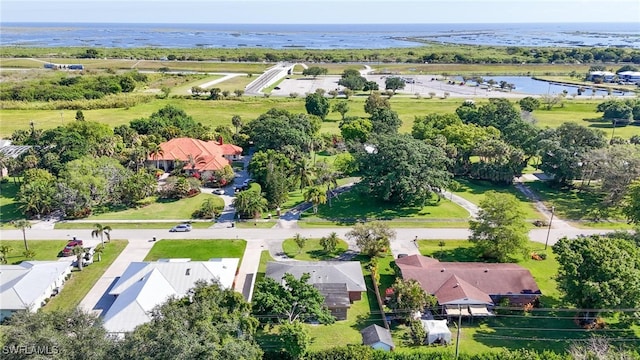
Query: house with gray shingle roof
(340,282)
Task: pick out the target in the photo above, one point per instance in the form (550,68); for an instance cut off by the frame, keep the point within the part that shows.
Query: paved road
(257,240)
(538,235)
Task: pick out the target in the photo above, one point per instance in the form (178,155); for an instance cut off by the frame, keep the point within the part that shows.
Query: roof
(335,295)
(211,154)
(601,73)
(144,285)
(23,284)
(12,151)
(435,326)
(458,291)
(322,272)
(373,334)
(475,280)
(633,73)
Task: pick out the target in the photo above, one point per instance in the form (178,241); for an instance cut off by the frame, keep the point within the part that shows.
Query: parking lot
(422,84)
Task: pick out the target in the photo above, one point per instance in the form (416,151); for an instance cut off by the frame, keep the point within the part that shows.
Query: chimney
(220,141)
(188,272)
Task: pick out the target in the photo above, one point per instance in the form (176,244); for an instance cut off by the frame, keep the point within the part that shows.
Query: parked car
(218,191)
(68,249)
(181,228)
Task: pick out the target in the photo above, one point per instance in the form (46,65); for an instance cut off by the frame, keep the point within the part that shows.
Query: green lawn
(312,250)
(8,207)
(162,209)
(77,287)
(184,89)
(474,191)
(265,257)
(575,205)
(350,207)
(582,112)
(44,249)
(197,250)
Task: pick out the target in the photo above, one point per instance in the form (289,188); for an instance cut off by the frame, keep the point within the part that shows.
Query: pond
(528,85)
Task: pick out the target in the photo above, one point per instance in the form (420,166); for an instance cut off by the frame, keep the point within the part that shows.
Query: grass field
(474,191)
(161,210)
(197,250)
(78,286)
(220,112)
(312,250)
(574,205)
(350,207)
(44,249)
(8,207)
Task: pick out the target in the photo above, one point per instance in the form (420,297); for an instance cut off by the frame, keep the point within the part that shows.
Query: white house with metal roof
(144,285)
(26,286)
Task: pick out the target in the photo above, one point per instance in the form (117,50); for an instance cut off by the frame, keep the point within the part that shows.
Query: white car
(218,191)
(181,228)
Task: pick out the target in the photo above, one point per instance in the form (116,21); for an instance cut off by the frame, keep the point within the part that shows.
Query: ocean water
(330,36)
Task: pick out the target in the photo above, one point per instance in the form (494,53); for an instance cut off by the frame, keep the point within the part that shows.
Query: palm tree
(78,251)
(155,151)
(29,254)
(326,175)
(195,161)
(250,203)
(98,251)
(303,173)
(315,196)
(236,120)
(329,243)
(300,241)
(101,231)
(4,253)
(23,224)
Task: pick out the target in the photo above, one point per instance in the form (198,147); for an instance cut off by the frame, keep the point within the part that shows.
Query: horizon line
(313,23)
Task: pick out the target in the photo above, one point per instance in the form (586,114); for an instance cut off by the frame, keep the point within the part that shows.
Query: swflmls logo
(30,350)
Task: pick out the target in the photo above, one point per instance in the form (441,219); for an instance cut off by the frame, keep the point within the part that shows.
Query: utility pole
(458,335)
(553,210)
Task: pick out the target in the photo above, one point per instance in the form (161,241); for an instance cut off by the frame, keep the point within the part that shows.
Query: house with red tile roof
(195,156)
(470,283)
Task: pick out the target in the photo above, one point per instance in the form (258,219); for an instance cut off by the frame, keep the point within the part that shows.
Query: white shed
(437,330)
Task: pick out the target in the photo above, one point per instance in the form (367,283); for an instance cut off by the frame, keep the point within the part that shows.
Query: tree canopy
(402,170)
(211,322)
(500,230)
(373,238)
(318,105)
(294,300)
(279,129)
(599,272)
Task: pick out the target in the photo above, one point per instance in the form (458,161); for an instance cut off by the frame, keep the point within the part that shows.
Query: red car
(68,250)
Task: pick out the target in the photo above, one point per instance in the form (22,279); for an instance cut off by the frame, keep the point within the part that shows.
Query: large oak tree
(402,170)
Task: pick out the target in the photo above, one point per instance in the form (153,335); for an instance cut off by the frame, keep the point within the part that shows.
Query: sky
(320,12)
